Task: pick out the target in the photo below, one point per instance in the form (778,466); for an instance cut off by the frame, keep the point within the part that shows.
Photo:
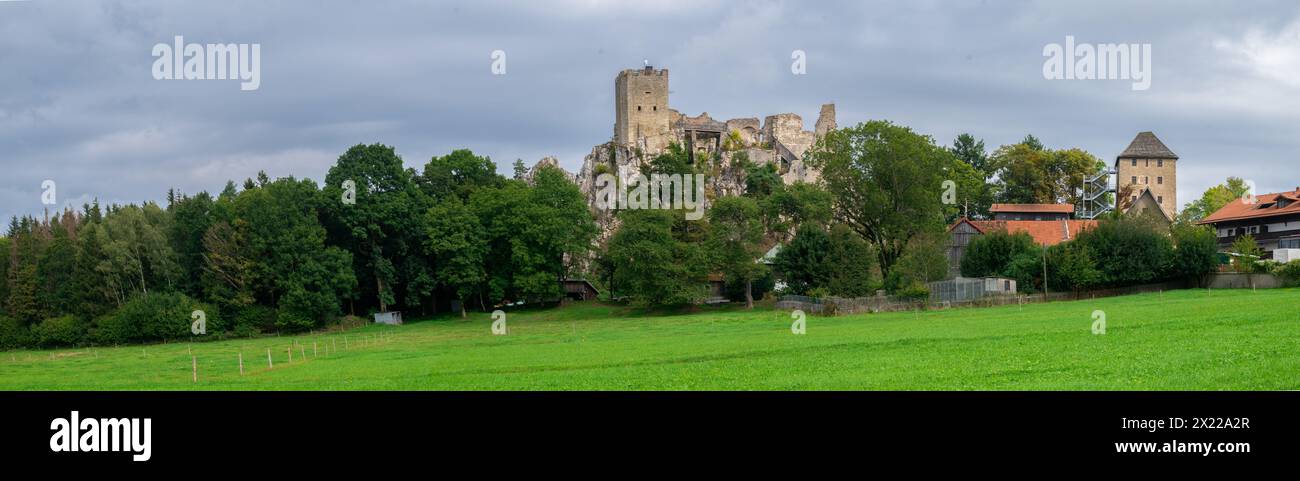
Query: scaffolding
(1096,200)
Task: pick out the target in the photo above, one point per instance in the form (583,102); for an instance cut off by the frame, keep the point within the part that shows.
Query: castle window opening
(1160,180)
(1160,163)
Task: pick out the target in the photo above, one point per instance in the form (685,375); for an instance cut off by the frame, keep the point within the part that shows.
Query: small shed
(579,289)
(999,285)
(390,317)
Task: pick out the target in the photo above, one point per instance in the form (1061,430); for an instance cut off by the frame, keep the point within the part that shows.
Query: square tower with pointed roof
(1148,165)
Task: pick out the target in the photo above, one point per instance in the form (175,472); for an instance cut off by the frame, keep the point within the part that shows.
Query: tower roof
(1147,146)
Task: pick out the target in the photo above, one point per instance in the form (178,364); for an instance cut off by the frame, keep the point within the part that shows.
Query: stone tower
(1148,165)
(640,105)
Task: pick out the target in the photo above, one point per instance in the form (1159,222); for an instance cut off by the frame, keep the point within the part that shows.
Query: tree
(1032,142)
(761,180)
(56,267)
(673,160)
(1247,257)
(534,234)
(989,255)
(925,261)
(849,261)
(456,242)
(1022,174)
(886,181)
(803,263)
(1195,252)
(1213,199)
(382,228)
(191,218)
(1068,171)
(1072,267)
(289,265)
(137,256)
(735,237)
(973,195)
(972,152)
(1028,173)
(520,170)
(1128,251)
(460,173)
(653,263)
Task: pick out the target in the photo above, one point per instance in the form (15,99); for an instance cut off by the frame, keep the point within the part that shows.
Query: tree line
(290,254)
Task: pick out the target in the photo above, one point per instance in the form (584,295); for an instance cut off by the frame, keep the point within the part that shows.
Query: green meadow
(1180,340)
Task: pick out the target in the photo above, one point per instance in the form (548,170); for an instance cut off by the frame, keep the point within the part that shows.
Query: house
(579,289)
(1147,204)
(393,318)
(1031,211)
(717,289)
(1048,224)
(770,260)
(1273,220)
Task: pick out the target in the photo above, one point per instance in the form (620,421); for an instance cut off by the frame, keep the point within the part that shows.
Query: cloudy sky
(79,104)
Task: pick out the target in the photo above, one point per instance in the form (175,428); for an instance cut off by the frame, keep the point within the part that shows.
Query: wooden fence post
(290,353)
(269,364)
(313,349)
(241,363)
(194,368)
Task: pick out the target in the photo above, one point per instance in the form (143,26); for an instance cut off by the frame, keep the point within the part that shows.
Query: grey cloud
(77,103)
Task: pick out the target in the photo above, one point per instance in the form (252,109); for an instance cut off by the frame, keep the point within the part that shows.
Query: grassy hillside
(1192,339)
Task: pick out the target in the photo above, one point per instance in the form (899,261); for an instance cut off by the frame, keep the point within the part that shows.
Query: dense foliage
(289,255)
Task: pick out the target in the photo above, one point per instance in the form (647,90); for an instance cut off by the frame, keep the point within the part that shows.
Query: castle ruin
(645,125)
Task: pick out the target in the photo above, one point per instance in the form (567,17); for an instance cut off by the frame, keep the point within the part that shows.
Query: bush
(1071,267)
(13,334)
(914,292)
(1196,252)
(1289,272)
(253,320)
(1027,270)
(60,331)
(1128,252)
(156,316)
(990,255)
(290,320)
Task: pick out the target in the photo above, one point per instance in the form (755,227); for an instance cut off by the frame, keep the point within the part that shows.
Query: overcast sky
(79,105)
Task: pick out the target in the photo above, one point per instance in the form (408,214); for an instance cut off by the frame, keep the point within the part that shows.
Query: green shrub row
(165,316)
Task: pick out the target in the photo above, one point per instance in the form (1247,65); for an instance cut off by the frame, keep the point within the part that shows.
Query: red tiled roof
(1034,208)
(1044,232)
(1265,206)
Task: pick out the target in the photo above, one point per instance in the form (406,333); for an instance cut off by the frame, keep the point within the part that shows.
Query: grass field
(1194,339)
